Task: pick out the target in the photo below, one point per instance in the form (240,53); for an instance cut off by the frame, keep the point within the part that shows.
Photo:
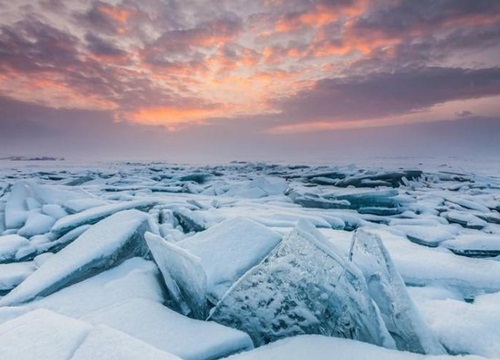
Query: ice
(104,343)
(9,245)
(106,244)
(421,266)
(259,187)
(43,334)
(373,179)
(134,278)
(36,223)
(326,348)
(304,286)
(465,219)
(190,221)
(475,245)
(167,330)
(78,205)
(425,235)
(207,264)
(388,290)
(425,219)
(227,250)
(54,210)
(16,208)
(93,215)
(13,274)
(28,195)
(183,275)
(466,327)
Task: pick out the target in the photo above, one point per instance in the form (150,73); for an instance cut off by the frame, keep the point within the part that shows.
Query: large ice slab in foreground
(169,331)
(388,290)
(304,286)
(207,264)
(43,334)
(105,245)
(326,348)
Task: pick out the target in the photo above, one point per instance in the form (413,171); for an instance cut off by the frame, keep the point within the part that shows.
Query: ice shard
(202,267)
(388,290)
(106,244)
(304,286)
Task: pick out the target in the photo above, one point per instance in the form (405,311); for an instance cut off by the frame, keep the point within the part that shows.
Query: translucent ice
(388,290)
(304,286)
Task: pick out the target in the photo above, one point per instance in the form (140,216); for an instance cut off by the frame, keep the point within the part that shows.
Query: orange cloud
(172,117)
(318,16)
(49,90)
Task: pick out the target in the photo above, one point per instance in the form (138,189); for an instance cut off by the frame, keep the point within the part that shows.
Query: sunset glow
(285,66)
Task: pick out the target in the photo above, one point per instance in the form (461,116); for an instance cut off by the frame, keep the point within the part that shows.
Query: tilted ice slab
(304,286)
(388,290)
(106,244)
(43,334)
(93,215)
(170,331)
(207,264)
(326,348)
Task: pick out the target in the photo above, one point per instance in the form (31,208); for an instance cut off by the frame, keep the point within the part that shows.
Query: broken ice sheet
(304,286)
(388,290)
(170,331)
(202,267)
(106,244)
(475,245)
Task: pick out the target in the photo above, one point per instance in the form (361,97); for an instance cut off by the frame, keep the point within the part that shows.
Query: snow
(325,348)
(227,250)
(93,215)
(36,223)
(169,331)
(419,265)
(106,244)
(13,274)
(466,327)
(9,245)
(482,245)
(425,265)
(304,286)
(183,275)
(388,290)
(104,343)
(43,334)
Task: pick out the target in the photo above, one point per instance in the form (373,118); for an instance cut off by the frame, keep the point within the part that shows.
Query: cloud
(386,94)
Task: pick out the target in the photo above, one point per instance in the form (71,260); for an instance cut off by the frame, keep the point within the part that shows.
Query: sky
(188,80)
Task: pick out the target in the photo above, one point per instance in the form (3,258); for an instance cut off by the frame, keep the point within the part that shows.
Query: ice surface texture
(106,244)
(304,286)
(388,290)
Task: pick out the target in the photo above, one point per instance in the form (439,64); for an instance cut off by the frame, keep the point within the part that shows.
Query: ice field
(249,261)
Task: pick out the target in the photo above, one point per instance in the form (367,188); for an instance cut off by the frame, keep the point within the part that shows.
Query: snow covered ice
(159,261)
